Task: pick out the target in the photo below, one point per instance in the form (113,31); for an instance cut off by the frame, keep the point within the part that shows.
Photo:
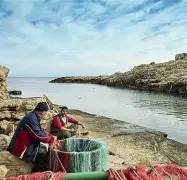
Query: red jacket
(57,122)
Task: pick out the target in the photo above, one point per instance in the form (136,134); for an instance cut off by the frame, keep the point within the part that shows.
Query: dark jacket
(27,137)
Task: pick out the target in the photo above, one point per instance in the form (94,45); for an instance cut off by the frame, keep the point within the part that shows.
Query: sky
(55,38)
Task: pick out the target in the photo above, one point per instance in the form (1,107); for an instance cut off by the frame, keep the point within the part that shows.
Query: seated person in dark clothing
(59,126)
(25,143)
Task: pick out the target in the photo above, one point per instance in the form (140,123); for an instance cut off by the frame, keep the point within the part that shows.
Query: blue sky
(89,37)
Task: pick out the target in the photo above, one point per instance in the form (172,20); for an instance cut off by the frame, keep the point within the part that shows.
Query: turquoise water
(157,111)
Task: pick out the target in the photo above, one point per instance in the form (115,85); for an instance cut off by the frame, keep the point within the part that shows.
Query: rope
(60,162)
(172,171)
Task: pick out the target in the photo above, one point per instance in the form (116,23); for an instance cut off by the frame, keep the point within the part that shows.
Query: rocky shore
(168,77)
(131,145)
(128,144)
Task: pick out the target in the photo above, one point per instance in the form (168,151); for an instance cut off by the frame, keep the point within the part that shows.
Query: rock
(17,108)
(3,171)
(12,104)
(152,63)
(4,126)
(3,86)
(167,77)
(80,79)
(4,142)
(15,92)
(3,73)
(5,115)
(14,165)
(181,56)
(116,162)
(7,127)
(18,115)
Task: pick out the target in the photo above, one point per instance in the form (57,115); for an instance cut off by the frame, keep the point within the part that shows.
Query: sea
(162,112)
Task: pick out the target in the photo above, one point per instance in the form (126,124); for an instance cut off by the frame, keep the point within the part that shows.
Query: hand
(55,138)
(83,126)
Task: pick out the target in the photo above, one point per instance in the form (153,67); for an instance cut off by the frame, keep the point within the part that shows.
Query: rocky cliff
(169,77)
(11,112)
(3,86)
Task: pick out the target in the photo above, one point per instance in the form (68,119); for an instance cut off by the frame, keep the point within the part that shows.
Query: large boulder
(3,73)
(7,127)
(3,171)
(4,142)
(181,56)
(3,86)
(18,108)
(14,166)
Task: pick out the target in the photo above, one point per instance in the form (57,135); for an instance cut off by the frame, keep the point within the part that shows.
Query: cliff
(169,77)
(11,112)
(3,86)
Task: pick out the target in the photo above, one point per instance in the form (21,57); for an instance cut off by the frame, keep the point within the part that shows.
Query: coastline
(130,144)
(168,77)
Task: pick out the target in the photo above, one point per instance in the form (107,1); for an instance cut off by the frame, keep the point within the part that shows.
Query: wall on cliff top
(3,86)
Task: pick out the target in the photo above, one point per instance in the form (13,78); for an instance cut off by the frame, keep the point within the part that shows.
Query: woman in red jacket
(59,126)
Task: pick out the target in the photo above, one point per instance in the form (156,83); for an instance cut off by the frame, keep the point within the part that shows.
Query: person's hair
(62,108)
(42,106)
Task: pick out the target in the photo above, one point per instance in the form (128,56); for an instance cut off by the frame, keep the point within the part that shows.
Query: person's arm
(83,126)
(33,128)
(66,129)
(57,124)
(69,119)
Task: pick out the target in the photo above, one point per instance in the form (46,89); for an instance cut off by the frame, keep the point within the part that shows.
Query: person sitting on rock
(25,143)
(59,126)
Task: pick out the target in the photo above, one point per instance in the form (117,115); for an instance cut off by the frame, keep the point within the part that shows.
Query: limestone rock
(15,165)
(3,73)
(18,114)
(181,56)
(3,171)
(4,142)
(12,105)
(15,92)
(3,86)
(7,127)
(167,77)
(17,108)
(5,115)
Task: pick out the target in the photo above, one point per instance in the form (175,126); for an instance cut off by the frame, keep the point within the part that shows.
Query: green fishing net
(84,155)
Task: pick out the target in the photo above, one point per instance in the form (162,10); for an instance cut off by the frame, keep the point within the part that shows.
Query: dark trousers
(41,159)
(63,134)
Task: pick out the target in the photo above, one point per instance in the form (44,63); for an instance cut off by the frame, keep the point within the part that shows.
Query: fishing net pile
(47,175)
(78,155)
(168,172)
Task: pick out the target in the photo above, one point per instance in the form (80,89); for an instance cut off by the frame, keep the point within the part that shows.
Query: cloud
(89,37)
